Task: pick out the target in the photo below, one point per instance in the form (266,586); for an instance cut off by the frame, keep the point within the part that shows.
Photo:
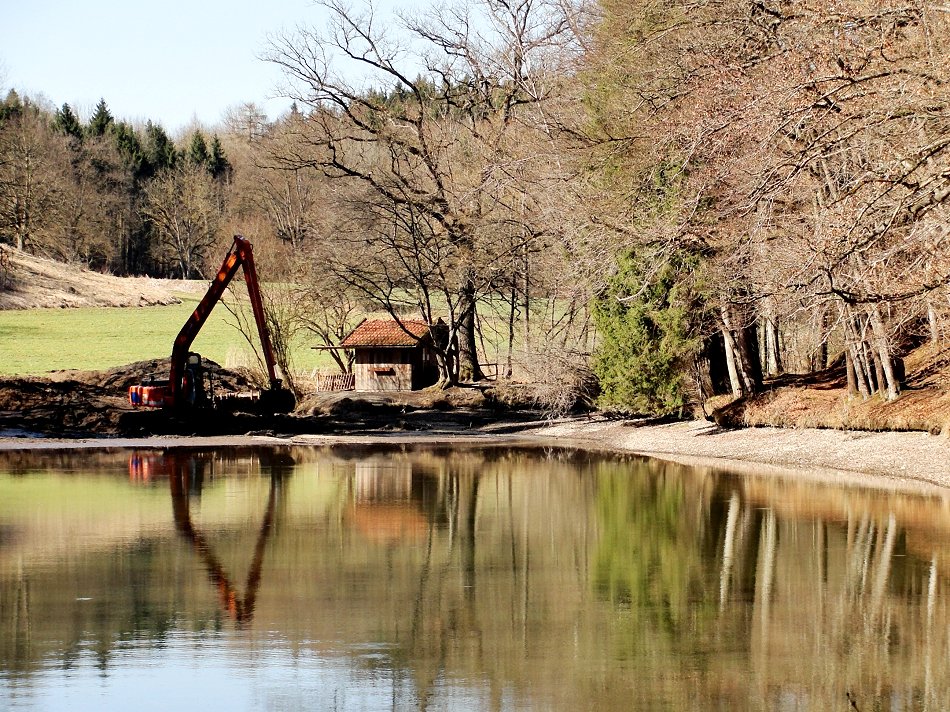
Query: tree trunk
(773,359)
(821,353)
(751,364)
(852,376)
(887,380)
(860,371)
(932,320)
(469,369)
(748,370)
(734,382)
(870,367)
(512,310)
(855,353)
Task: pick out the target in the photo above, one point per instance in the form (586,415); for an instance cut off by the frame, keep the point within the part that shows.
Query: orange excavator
(184,388)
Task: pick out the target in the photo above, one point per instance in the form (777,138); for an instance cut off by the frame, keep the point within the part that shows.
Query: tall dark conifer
(130,148)
(65,122)
(160,152)
(198,150)
(218,164)
(101,120)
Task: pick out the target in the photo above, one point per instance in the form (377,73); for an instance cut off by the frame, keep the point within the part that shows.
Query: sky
(174,62)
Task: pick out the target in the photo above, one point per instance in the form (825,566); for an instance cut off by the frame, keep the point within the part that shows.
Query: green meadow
(36,341)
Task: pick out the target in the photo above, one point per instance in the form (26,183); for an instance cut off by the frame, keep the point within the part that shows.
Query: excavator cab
(193,382)
(186,386)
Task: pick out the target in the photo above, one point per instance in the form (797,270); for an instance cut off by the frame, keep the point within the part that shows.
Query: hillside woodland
(660,207)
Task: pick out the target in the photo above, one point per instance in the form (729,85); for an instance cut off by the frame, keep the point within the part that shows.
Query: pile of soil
(95,404)
(89,402)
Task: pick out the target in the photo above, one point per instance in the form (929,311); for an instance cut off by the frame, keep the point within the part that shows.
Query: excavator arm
(173,395)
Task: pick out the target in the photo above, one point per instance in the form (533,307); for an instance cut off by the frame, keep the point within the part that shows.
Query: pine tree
(101,120)
(198,150)
(218,164)
(65,122)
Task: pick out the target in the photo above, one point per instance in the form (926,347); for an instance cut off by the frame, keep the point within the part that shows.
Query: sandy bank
(897,456)
(893,458)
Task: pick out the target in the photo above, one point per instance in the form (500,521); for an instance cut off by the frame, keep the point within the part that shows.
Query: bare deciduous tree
(184,207)
(433,161)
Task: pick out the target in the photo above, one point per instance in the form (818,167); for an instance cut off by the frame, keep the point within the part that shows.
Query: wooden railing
(336,381)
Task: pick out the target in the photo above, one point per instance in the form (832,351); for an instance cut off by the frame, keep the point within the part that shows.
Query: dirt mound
(340,402)
(91,402)
(31,282)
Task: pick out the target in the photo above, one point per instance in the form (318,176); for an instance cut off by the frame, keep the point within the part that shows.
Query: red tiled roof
(386,332)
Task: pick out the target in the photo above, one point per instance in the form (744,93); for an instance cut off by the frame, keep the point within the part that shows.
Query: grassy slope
(36,341)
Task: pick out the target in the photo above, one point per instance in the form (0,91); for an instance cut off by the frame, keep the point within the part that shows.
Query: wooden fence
(336,381)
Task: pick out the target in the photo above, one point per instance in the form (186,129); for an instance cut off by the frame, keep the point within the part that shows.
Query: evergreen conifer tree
(218,164)
(101,120)
(649,317)
(198,150)
(130,148)
(65,122)
(11,107)
(160,152)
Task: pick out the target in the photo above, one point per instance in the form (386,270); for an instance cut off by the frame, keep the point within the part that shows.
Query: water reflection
(185,474)
(362,578)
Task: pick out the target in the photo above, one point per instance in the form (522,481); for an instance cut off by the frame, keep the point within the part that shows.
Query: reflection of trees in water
(561,581)
(764,608)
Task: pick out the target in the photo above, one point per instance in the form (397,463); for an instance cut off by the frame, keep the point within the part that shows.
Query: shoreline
(901,460)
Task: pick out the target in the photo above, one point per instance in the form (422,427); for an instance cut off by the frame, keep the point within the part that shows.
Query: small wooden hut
(391,355)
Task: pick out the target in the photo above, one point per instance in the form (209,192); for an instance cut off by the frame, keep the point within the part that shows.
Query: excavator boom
(176,393)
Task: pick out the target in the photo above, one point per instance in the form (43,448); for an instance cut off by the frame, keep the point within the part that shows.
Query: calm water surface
(496,579)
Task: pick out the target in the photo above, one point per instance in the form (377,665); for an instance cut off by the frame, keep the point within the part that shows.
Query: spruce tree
(198,150)
(160,152)
(218,164)
(130,148)
(101,120)
(66,123)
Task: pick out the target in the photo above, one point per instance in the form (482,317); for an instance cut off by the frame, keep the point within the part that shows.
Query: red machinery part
(148,396)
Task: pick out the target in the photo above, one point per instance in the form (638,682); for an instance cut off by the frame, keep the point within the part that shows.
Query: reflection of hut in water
(384,509)
(383,481)
(393,356)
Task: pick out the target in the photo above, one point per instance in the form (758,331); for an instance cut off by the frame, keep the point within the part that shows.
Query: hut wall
(383,369)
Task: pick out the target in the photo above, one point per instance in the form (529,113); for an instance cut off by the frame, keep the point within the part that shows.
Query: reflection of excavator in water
(185,386)
(185,473)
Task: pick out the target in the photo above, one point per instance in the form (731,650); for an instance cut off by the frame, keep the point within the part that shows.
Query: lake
(438,578)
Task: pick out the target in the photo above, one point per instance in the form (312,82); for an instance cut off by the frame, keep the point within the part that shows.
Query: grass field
(36,341)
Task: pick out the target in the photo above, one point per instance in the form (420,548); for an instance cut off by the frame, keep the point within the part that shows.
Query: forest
(641,203)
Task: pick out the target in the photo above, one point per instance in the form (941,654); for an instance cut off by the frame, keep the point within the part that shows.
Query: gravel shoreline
(889,459)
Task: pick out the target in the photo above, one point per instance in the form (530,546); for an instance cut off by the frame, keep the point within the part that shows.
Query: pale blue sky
(171,61)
